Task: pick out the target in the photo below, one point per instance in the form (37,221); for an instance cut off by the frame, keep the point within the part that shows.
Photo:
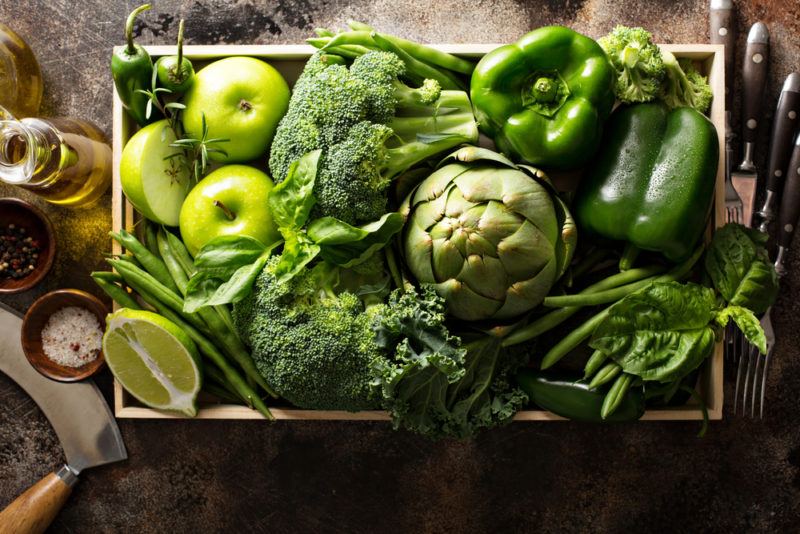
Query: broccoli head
(684,85)
(370,126)
(313,346)
(637,60)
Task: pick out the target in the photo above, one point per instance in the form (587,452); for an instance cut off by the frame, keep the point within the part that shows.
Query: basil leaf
(298,251)
(346,245)
(224,255)
(660,332)
(739,267)
(290,201)
(204,289)
(747,322)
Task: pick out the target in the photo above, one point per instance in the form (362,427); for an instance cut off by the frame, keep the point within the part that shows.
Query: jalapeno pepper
(132,70)
(175,72)
(569,398)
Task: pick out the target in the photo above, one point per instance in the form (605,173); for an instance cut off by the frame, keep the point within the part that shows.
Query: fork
(754,386)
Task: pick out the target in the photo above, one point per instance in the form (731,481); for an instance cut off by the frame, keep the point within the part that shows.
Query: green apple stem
(228,213)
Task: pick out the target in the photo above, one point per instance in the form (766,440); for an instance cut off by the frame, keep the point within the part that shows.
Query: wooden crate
(289,60)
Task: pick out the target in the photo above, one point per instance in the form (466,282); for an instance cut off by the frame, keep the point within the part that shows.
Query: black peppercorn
(19,253)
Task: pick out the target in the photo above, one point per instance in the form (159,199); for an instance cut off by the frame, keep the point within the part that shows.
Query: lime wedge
(153,359)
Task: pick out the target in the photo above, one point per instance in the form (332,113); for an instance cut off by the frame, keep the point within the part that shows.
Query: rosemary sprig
(170,110)
(199,149)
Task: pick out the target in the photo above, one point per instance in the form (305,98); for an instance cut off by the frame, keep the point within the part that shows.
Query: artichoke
(491,236)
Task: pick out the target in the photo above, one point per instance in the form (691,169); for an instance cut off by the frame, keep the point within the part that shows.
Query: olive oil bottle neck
(23,150)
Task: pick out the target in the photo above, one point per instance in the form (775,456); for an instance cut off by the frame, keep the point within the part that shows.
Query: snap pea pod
(605,375)
(139,281)
(593,364)
(151,263)
(150,238)
(210,351)
(416,69)
(616,395)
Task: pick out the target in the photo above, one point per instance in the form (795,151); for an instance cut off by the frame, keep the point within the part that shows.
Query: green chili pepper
(567,397)
(132,70)
(176,72)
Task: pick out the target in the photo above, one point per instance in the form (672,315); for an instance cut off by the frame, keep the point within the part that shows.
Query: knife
(82,420)
(790,208)
(754,74)
(785,123)
(722,30)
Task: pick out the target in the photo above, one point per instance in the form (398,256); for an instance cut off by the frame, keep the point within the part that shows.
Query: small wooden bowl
(39,227)
(35,320)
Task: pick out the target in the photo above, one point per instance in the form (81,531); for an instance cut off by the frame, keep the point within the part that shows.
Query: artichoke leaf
(485,276)
(465,303)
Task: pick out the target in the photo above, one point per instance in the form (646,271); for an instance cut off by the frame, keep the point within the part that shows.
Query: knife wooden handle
(33,511)
(722,30)
(754,74)
(787,119)
(790,203)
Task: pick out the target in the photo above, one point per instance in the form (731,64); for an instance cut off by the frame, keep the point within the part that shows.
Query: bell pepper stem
(131,50)
(629,256)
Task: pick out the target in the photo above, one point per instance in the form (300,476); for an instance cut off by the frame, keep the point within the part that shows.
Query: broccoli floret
(638,62)
(684,85)
(314,346)
(370,126)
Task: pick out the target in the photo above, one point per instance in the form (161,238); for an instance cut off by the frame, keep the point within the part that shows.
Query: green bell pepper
(569,398)
(544,99)
(653,182)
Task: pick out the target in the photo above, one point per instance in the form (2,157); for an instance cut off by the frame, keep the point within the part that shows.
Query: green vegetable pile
(444,281)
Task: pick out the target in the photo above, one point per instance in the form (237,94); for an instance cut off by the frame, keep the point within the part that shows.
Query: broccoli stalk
(638,62)
(684,85)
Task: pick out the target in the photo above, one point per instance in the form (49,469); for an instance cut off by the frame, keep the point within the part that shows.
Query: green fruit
(154,185)
(233,200)
(153,359)
(243,99)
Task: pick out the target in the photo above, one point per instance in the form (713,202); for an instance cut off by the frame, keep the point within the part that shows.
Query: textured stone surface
(352,477)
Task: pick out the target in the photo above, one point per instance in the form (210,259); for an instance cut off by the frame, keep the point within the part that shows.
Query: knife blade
(790,208)
(81,419)
(754,74)
(787,120)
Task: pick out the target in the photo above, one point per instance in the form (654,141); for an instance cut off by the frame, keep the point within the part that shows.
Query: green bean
(587,263)
(324,32)
(117,293)
(362,39)
(181,253)
(572,340)
(359,26)
(108,276)
(151,263)
(556,317)
(594,362)
(605,375)
(616,394)
(211,352)
(212,372)
(596,298)
(221,393)
(416,69)
(140,281)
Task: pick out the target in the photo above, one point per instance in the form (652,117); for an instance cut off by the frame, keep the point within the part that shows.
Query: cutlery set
(782,202)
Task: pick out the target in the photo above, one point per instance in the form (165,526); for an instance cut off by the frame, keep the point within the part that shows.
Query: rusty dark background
(199,476)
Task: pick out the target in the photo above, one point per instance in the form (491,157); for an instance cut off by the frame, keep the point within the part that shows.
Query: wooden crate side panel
(289,59)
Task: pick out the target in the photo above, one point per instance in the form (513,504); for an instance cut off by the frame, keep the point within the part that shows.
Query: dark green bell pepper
(653,182)
(569,398)
(544,98)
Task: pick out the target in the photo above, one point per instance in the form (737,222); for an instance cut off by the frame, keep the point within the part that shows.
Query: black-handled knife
(786,122)
(722,30)
(754,72)
(790,208)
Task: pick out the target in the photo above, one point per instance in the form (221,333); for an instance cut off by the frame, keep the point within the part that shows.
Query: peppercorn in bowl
(27,245)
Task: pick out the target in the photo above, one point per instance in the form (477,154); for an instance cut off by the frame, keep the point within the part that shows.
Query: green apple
(154,183)
(232,200)
(243,100)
